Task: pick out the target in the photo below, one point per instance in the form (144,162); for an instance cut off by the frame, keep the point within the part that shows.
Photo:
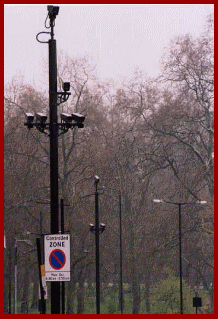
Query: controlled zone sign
(57,257)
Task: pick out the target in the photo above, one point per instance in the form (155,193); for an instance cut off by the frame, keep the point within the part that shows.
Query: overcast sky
(118,38)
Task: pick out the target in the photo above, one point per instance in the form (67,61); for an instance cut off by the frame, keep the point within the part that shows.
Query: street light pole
(121,257)
(180,259)
(97,229)
(180,241)
(97,248)
(15,278)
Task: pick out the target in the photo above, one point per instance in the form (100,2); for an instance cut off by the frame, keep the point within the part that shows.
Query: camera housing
(41,118)
(30,119)
(92,228)
(102,227)
(79,119)
(66,117)
(66,86)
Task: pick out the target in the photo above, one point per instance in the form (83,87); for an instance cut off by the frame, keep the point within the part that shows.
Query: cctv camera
(78,117)
(30,119)
(92,228)
(41,117)
(66,86)
(102,227)
(66,117)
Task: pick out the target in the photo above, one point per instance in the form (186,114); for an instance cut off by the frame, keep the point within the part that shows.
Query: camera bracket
(62,97)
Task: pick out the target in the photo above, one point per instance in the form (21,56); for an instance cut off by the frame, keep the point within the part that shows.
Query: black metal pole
(63,283)
(121,258)
(55,286)
(10,279)
(41,237)
(97,253)
(180,260)
(40,276)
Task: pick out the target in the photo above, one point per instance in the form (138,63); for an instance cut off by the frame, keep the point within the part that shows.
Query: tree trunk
(147,295)
(136,298)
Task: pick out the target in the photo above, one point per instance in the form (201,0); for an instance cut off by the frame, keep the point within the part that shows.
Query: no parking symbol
(57,259)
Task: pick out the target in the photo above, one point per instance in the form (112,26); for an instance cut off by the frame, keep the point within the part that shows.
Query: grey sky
(117,37)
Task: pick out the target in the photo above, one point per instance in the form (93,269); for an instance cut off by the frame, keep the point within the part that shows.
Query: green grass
(110,303)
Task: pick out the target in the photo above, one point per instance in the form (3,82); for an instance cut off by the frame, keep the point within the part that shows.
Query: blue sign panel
(57,259)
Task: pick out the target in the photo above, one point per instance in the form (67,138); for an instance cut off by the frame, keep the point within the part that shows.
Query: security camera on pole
(53,130)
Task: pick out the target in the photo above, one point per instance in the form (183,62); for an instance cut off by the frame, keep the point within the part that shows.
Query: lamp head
(201,202)
(97,179)
(53,11)
(158,201)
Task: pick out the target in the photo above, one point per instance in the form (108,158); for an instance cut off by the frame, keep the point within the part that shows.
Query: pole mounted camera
(92,228)
(63,96)
(68,121)
(101,228)
(66,86)
(41,124)
(30,119)
(67,118)
(41,118)
(78,119)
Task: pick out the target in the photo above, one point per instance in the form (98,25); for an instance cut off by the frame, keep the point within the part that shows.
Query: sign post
(57,257)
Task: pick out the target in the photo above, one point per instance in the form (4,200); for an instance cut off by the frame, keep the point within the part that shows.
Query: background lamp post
(97,229)
(121,256)
(97,247)
(180,240)
(92,227)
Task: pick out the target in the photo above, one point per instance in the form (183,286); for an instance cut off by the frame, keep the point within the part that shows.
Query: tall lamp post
(180,240)
(121,257)
(97,229)
(97,247)
(53,130)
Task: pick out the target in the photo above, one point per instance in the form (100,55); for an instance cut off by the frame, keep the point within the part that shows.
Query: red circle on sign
(57,259)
